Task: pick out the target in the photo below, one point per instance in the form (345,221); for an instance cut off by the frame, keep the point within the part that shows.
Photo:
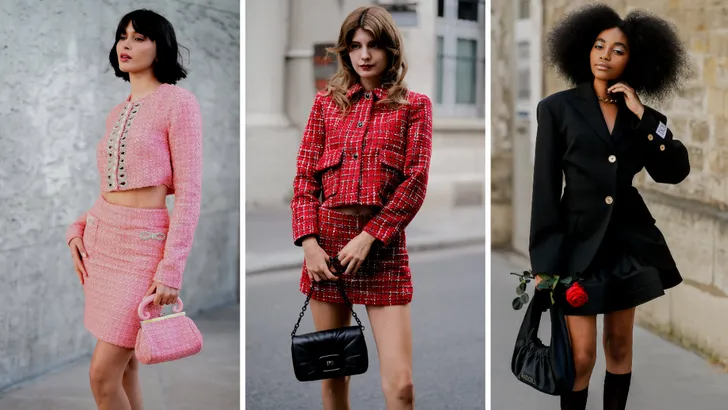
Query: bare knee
(101,379)
(584,360)
(617,347)
(400,386)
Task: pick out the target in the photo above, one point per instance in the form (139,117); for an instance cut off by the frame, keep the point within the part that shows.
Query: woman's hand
(164,294)
(354,253)
(630,98)
(78,253)
(317,261)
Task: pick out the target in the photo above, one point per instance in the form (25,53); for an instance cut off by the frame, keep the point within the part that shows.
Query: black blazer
(573,140)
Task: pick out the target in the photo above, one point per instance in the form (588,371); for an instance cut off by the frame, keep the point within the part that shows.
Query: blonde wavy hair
(379,23)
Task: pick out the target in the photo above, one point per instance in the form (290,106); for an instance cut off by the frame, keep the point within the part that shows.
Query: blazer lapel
(588,105)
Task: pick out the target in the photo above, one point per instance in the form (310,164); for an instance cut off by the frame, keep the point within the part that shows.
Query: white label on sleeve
(661,130)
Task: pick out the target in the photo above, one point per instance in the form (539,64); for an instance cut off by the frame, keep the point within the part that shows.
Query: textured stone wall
(56,89)
(502,122)
(692,214)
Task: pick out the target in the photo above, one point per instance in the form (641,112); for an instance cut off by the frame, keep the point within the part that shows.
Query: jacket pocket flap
(330,158)
(392,159)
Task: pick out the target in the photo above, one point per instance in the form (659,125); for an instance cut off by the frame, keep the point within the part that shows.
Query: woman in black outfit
(599,135)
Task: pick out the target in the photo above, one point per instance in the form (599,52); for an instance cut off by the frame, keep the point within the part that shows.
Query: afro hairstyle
(658,61)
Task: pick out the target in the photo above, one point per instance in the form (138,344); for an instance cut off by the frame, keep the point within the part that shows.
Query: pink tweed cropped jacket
(156,140)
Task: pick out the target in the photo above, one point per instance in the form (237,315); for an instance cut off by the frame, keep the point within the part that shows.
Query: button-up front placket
(116,148)
(357,144)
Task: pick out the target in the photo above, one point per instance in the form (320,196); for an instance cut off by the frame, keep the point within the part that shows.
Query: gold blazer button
(650,137)
(662,147)
(608,200)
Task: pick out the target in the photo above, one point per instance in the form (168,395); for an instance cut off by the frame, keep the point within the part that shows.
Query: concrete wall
(691,215)
(502,122)
(57,87)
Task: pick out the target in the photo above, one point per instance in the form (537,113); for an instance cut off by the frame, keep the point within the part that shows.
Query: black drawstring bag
(548,369)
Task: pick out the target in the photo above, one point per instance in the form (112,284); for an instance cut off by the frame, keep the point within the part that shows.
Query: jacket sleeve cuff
(76,229)
(303,228)
(169,275)
(380,232)
(654,126)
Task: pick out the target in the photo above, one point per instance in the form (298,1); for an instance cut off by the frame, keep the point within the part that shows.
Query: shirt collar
(357,88)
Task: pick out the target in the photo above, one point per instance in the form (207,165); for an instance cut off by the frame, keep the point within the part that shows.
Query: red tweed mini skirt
(124,247)
(384,278)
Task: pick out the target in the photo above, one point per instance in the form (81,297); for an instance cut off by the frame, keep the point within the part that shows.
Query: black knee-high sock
(575,400)
(616,390)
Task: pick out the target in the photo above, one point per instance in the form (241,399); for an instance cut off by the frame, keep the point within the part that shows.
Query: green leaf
(521,289)
(553,302)
(524,298)
(567,281)
(517,304)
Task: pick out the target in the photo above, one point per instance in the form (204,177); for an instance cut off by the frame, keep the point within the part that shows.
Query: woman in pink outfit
(127,245)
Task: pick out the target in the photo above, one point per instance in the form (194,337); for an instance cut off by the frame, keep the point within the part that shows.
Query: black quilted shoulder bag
(329,353)
(548,369)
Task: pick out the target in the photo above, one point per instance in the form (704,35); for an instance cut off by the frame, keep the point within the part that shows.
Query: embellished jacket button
(609,200)
(612,158)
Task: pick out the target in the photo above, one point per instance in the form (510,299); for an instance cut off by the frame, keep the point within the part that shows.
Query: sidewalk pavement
(269,241)
(208,380)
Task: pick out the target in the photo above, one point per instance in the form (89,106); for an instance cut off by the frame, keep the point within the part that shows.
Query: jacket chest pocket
(389,171)
(328,169)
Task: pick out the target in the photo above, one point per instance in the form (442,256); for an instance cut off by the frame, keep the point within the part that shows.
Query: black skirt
(619,276)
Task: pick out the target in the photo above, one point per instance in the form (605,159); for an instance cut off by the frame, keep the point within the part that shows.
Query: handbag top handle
(340,285)
(145,315)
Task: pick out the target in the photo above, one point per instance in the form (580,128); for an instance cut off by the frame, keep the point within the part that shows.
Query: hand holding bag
(166,338)
(330,353)
(548,369)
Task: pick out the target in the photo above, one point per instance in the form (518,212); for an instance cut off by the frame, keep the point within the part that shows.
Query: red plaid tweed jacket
(375,155)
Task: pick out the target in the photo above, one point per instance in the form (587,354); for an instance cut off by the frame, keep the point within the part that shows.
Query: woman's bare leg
(334,392)
(392,329)
(130,382)
(583,335)
(618,331)
(108,364)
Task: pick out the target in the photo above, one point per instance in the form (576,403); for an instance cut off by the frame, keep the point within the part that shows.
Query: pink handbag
(166,338)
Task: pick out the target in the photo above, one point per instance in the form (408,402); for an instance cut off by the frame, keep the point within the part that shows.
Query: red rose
(576,295)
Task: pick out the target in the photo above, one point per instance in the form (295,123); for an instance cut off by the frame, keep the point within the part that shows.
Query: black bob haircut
(168,68)
(658,62)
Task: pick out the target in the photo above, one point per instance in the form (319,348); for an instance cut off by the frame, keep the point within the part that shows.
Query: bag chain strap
(340,285)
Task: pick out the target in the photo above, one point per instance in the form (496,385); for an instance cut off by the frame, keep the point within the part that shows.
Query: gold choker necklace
(607,100)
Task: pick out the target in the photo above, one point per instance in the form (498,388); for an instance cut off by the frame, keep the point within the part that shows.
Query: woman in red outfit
(361,177)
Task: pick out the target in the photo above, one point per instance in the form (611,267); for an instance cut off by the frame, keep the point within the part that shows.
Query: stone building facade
(57,87)
(692,215)
(502,128)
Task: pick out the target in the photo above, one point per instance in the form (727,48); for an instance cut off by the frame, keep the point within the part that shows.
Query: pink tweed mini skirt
(124,247)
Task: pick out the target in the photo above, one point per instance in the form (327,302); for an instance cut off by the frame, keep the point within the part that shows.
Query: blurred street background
(691,215)
(444,43)
(57,89)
